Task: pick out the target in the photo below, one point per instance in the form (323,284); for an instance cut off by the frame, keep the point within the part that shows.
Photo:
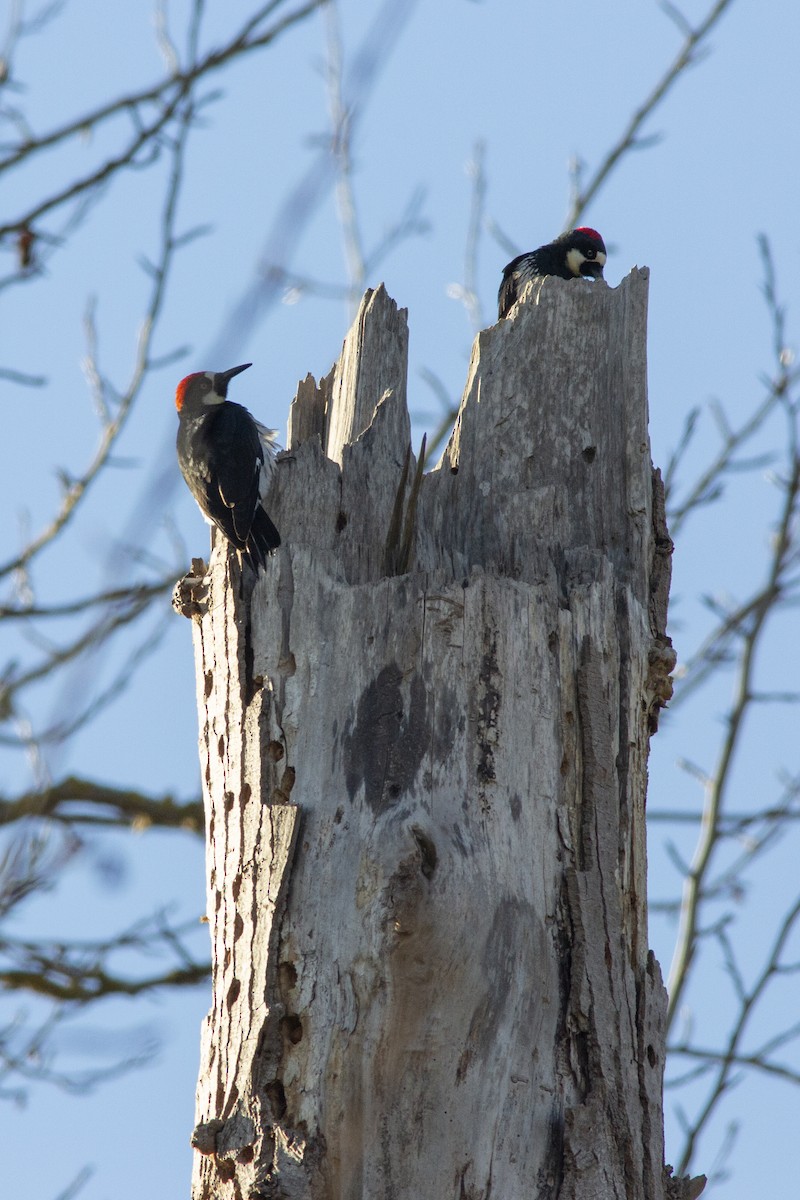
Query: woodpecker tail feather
(262,540)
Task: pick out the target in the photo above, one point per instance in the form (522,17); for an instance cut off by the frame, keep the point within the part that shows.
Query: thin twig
(631,139)
(748,626)
(342,120)
(730,1057)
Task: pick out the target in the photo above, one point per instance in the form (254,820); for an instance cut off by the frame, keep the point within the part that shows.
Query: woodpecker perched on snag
(581,252)
(227,458)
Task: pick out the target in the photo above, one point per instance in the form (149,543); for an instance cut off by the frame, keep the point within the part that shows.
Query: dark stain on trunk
(384,746)
(488,714)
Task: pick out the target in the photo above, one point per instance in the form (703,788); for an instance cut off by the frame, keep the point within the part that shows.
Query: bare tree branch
(77,972)
(181,83)
(76,488)
(136,596)
(79,801)
(736,641)
(729,1057)
(631,137)
(467,292)
(743,699)
(342,119)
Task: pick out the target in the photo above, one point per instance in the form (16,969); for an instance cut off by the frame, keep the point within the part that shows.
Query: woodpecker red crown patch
(180,391)
(592,233)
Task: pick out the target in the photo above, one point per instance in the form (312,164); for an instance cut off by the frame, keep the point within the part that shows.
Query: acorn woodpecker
(227,458)
(576,253)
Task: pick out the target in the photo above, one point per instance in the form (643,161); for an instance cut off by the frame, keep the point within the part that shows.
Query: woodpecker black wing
(226,481)
(515,275)
(234,470)
(238,476)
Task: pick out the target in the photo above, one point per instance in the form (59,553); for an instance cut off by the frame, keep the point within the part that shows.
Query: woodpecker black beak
(595,269)
(223,378)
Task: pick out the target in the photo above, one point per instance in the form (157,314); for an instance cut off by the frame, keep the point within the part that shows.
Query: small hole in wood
(277,1098)
(589,454)
(209,683)
(287,973)
(341,521)
(238,927)
(427,851)
(275,752)
(233,993)
(293,1028)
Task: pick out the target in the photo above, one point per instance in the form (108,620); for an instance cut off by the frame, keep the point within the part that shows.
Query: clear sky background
(534,84)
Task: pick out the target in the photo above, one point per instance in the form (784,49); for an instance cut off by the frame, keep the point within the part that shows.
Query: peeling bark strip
(425,791)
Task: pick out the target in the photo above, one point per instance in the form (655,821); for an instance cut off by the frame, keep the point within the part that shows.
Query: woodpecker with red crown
(579,253)
(227,458)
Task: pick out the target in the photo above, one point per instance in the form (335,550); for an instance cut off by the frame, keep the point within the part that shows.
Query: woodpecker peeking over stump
(227,458)
(579,253)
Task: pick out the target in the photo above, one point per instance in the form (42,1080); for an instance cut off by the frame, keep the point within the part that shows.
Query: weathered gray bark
(425,791)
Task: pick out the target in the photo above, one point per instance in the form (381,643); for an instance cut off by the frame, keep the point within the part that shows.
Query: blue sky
(535,84)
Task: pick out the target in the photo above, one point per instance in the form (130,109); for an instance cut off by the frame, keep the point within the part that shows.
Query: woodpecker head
(204,388)
(585,252)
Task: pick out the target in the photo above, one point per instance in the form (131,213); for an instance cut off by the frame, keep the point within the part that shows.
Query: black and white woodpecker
(227,458)
(580,252)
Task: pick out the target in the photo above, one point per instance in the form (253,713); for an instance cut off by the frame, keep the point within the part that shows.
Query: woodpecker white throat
(580,253)
(227,458)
